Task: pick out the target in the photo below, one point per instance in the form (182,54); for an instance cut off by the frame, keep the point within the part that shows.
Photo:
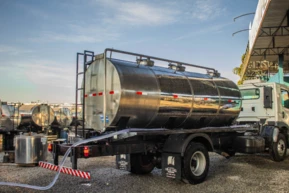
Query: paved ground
(242,173)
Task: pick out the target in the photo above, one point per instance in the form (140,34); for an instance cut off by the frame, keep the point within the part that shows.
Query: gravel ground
(242,173)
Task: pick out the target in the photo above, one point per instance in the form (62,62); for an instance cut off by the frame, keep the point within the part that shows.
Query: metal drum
(41,115)
(147,96)
(30,149)
(63,116)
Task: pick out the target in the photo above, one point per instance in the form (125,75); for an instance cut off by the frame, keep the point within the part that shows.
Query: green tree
(238,70)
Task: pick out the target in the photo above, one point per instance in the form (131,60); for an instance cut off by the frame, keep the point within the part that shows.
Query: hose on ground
(62,162)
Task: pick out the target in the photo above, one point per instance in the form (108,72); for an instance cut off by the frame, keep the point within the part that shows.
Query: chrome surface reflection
(152,96)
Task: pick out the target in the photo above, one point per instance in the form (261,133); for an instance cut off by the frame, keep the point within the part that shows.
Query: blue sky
(39,39)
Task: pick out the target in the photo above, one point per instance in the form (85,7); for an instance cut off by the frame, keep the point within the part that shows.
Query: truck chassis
(181,154)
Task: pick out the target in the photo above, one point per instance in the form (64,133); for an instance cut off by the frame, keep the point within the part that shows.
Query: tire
(196,163)
(279,148)
(141,164)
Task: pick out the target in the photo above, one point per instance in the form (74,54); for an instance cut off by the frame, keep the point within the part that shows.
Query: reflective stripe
(65,170)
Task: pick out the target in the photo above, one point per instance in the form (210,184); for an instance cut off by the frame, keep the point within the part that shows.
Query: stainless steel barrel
(146,96)
(30,149)
(63,116)
(41,115)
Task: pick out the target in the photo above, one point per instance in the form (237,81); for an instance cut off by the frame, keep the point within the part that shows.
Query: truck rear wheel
(141,164)
(195,163)
(279,148)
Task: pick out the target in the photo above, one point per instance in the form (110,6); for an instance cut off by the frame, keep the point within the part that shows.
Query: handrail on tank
(156,58)
(215,72)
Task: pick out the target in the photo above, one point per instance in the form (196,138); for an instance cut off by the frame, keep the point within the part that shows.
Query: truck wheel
(195,163)
(141,164)
(279,148)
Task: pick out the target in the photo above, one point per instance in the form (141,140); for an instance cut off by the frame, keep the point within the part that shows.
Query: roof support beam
(270,51)
(274,31)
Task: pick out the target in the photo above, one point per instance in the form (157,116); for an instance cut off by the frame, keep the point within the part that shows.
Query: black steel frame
(116,147)
(274,31)
(270,51)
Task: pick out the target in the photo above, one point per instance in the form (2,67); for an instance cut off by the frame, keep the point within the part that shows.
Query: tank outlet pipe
(125,131)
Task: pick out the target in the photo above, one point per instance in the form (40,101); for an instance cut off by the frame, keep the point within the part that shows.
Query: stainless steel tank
(63,116)
(41,115)
(30,149)
(6,123)
(15,117)
(147,96)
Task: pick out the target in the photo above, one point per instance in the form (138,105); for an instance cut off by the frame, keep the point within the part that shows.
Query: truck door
(285,106)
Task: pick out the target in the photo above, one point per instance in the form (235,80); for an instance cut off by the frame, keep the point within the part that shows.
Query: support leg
(280,68)
(56,153)
(74,158)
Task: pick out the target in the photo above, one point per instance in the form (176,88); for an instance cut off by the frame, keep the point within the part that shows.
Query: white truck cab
(266,103)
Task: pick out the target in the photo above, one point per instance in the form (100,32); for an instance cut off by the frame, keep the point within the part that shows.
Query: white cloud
(32,10)
(13,50)
(78,34)
(211,29)
(159,13)
(46,80)
(139,13)
(43,72)
(206,9)
(112,17)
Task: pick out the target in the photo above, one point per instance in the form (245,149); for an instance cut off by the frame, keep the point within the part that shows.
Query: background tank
(14,114)
(141,95)
(63,116)
(40,115)
(5,119)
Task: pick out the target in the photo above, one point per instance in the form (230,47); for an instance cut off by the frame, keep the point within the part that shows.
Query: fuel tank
(148,96)
(41,115)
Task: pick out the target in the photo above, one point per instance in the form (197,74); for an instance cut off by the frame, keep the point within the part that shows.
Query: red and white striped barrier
(65,170)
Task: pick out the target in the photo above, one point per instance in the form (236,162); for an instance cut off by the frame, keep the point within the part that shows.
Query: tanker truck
(159,116)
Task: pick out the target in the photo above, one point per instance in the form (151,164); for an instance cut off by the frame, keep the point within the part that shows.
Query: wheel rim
(281,147)
(198,163)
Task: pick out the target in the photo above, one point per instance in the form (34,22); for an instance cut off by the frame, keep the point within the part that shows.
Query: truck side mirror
(268,97)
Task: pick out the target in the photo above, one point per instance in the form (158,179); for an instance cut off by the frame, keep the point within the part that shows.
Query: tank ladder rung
(85,62)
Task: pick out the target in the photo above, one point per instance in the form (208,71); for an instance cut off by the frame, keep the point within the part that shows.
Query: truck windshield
(248,94)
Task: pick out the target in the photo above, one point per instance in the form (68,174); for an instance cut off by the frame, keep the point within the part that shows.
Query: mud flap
(172,166)
(123,162)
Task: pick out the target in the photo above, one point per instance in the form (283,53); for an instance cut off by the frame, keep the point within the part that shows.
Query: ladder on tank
(85,62)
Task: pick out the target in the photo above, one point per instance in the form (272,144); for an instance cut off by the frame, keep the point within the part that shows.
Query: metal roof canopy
(268,38)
